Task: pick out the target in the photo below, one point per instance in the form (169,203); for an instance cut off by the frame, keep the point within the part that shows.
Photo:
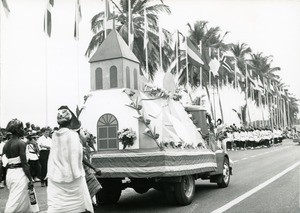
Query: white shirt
(31,152)
(43,141)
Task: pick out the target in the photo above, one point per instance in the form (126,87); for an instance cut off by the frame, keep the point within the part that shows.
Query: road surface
(264,180)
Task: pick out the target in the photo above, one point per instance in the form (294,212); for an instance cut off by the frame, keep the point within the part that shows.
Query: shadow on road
(153,201)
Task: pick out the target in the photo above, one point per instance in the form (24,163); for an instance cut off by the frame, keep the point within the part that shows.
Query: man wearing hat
(32,151)
(67,189)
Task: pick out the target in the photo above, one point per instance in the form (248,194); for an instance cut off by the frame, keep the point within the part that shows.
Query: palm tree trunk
(284,113)
(261,107)
(247,110)
(208,95)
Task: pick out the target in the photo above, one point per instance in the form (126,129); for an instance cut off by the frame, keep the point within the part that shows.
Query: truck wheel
(110,193)
(185,190)
(225,177)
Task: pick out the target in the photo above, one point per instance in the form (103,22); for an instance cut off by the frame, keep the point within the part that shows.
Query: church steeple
(114,65)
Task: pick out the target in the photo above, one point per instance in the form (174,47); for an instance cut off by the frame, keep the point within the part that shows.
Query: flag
(6,8)
(271,87)
(201,71)
(77,19)
(130,26)
(47,17)
(258,85)
(146,38)
(193,53)
(214,66)
(227,62)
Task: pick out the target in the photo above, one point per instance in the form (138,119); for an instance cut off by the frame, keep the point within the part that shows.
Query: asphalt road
(264,180)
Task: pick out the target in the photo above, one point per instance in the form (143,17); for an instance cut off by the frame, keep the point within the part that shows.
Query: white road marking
(254,190)
(244,158)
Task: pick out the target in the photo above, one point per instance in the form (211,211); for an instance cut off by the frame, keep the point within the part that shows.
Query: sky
(39,74)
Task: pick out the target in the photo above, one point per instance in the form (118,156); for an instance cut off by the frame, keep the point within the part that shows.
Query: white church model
(117,90)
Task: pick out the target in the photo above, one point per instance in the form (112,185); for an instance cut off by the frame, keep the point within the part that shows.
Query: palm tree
(293,109)
(210,38)
(262,67)
(121,18)
(240,52)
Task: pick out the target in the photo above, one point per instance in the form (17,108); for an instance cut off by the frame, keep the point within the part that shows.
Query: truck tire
(185,190)
(225,177)
(110,193)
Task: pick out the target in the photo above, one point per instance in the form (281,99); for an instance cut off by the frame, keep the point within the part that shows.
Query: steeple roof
(113,47)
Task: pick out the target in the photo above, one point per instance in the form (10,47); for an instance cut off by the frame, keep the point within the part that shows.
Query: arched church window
(107,127)
(113,77)
(135,78)
(127,77)
(99,78)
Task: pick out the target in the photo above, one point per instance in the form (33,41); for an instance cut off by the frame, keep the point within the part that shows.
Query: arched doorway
(107,127)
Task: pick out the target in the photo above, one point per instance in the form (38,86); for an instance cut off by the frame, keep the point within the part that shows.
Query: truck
(170,168)
(167,151)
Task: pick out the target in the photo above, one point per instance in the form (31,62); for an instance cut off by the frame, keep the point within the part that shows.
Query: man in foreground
(67,189)
(18,178)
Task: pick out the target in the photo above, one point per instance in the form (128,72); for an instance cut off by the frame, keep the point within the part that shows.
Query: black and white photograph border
(243,68)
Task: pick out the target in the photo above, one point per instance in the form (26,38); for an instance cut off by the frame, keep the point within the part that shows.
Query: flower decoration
(127,137)
(162,93)
(147,131)
(177,96)
(147,121)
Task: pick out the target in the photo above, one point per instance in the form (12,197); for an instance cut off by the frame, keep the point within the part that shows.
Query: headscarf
(64,114)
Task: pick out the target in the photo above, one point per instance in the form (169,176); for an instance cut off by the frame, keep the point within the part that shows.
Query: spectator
(44,143)
(33,156)
(18,178)
(221,134)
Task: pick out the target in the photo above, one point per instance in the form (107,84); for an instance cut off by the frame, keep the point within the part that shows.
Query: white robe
(67,189)
(17,184)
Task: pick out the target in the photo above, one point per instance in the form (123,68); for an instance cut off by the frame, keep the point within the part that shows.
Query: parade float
(145,138)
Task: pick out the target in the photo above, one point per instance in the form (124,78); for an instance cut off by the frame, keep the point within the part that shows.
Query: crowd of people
(38,143)
(66,169)
(241,138)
